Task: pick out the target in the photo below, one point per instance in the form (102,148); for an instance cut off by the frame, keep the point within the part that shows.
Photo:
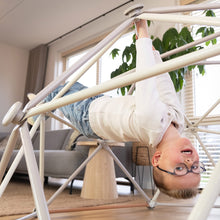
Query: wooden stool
(99,179)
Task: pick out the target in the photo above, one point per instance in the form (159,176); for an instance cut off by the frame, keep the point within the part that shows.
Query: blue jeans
(78,112)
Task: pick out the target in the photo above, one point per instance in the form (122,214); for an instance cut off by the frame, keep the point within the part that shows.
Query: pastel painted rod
(8,151)
(17,159)
(208,197)
(183,8)
(189,45)
(126,80)
(208,131)
(209,62)
(183,19)
(54,84)
(207,112)
(36,186)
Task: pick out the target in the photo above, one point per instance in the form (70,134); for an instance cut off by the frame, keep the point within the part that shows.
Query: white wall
(13,69)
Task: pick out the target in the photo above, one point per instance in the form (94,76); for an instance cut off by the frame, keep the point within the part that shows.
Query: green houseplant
(171,39)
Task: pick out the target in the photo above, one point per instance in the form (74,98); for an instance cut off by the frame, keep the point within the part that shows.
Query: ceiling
(28,23)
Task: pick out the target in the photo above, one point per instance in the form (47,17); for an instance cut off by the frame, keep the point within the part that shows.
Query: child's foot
(31,119)
(31,96)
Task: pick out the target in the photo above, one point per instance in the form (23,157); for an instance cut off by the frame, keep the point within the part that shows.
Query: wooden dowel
(183,19)
(183,8)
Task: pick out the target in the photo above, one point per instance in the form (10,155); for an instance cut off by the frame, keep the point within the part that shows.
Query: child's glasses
(182,169)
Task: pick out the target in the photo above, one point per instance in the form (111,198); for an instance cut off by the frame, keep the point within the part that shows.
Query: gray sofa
(61,163)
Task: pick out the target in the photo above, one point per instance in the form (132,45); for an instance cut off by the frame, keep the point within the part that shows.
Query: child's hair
(175,193)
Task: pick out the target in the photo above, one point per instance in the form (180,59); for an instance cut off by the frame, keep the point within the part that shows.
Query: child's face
(172,154)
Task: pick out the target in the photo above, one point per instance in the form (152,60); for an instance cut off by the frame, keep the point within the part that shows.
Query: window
(88,79)
(200,93)
(206,89)
(212,144)
(101,71)
(108,65)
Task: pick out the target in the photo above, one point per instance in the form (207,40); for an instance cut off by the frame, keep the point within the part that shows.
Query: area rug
(17,198)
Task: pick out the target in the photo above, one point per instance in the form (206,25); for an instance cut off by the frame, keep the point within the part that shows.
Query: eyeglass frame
(188,170)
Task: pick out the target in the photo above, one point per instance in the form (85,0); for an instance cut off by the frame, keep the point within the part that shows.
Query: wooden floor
(158,213)
(126,212)
(134,213)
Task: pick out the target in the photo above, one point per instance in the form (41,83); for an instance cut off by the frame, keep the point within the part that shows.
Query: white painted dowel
(153,201)
(183,8)
(127,79)
(58,118)
(208,62)
(207,112)
(183,19)
(208,197)
(118,162)
(189,45)
(17,159)
(207,131)
(11,170)
(37,189)
(8,151)
(42,149)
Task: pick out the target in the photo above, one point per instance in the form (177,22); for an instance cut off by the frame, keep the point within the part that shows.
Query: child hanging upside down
(153,116)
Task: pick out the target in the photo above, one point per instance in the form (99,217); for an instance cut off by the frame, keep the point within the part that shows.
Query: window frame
(80,48)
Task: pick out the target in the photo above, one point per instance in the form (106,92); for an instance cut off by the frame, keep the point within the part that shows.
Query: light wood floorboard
(132,213)
(159,213)
(135,213)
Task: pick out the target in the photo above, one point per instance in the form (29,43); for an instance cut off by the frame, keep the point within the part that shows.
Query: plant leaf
(214,41)
(168,37)
(126,53)
(201,69)
(158,45)
(114,53)
(123,90)
(200,30)
(210,13)
(186,35)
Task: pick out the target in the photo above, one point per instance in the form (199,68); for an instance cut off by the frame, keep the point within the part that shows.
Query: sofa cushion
(54,140)
(4,141)
(3,135)
(60,163)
